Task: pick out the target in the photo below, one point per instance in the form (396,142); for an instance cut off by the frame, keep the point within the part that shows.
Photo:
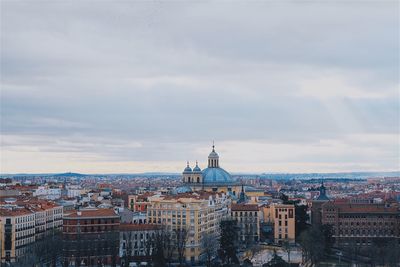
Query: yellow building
(282,217)
(198,212)
(212,179)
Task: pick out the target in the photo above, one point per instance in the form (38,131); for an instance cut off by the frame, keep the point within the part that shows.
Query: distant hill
(70,174)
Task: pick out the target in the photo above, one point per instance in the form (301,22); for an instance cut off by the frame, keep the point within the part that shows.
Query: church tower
(187,174)
(197,174)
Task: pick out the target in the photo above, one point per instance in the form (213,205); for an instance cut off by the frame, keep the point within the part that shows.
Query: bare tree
(209,246)
(287,248)
(127,252)
(254,250)
(181,236)
(163,247)
(169,245)
(149,245)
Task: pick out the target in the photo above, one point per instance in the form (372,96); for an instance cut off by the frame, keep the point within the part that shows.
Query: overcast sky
(125,86)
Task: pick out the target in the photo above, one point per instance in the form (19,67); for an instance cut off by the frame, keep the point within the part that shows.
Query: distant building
(47,192)
(91,237)
(139,202)
(213,178)
(248,220)
(316,208)
(361,223)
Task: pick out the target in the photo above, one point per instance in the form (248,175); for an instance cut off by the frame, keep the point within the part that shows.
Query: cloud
(152,82)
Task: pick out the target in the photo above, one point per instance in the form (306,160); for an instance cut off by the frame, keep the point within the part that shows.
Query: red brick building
(361,223)
(91,237)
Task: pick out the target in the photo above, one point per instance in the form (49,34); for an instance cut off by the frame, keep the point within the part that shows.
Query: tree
(181,235)
(313,244)
(160,248)
(327,232)
(301,218)
(48,248)
(392,253)
(287,248)
(208,246)
(276,261)
(228,241)
(149,245)
(127,255)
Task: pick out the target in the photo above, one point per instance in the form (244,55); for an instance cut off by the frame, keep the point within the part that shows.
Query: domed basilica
(213,178)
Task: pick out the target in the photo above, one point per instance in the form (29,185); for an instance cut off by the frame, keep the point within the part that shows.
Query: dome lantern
(213,158)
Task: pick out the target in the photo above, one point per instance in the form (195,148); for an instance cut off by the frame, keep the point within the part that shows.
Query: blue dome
(187,169)
(182,189)
(197,169)
(216,176)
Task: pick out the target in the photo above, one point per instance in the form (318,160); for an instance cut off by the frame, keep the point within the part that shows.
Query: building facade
(284,223)
(198,212)
(361,223)
(91,237)
(136,242)
(24,221)
(282,219)
(316,206)
(248,220)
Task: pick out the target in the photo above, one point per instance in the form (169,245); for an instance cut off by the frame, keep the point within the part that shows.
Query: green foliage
(301,217)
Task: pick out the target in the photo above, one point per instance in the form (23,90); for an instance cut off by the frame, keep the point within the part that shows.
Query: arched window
(198,179)
(188,179)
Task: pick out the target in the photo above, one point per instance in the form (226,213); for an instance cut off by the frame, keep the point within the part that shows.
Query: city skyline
(144,87)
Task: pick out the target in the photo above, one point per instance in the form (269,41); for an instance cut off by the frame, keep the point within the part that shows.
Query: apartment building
(136,242)
(198,212)
(282,219)
(91,237)
(23,221)
(284,223)
(248,219)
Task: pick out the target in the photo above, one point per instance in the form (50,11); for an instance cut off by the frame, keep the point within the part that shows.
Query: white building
(47,192)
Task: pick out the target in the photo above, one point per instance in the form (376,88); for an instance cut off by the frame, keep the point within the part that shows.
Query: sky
(144,86)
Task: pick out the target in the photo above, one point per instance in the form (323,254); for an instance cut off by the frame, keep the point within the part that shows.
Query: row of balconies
(24,228)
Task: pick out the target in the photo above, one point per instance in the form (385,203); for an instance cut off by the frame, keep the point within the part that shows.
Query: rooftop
(244,207)
(95,213)
(137,227)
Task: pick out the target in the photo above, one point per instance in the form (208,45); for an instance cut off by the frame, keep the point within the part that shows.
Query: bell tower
(197,174)
(187,174)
